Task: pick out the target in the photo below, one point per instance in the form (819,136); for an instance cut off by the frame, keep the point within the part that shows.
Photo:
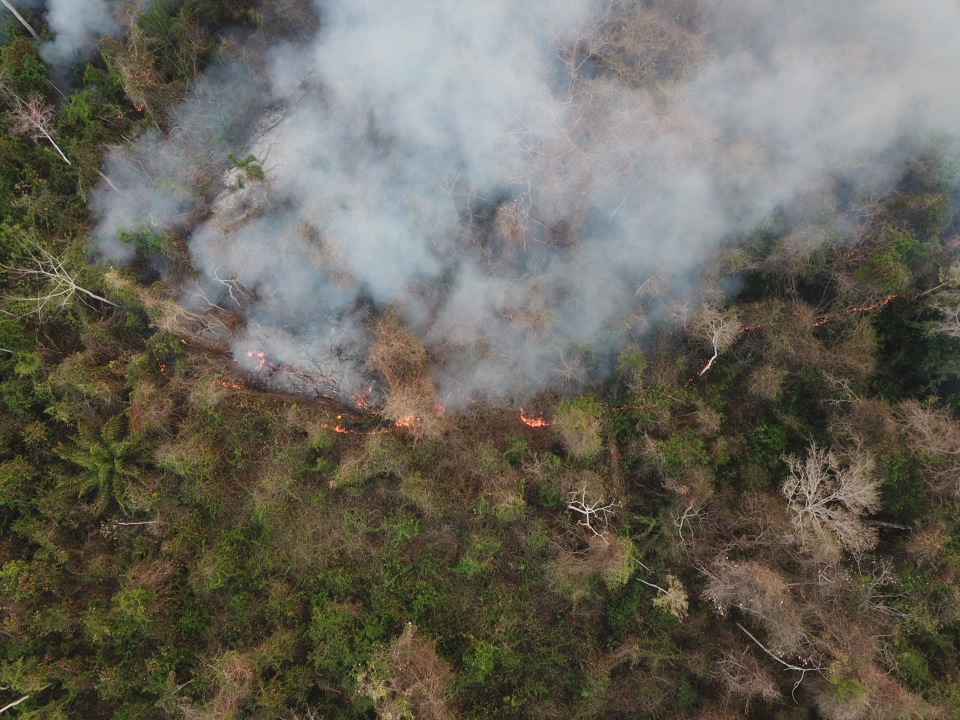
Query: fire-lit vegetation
(757,514)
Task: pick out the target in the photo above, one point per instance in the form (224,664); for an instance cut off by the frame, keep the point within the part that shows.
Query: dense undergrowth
(176,544)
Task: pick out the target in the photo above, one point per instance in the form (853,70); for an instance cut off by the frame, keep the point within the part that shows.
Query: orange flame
(360,399)
(819,323)
(344,430)
(867,308)
(407,421)
(262,359)
(341,429)
(532,420)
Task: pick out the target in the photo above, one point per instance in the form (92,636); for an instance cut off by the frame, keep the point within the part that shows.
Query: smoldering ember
(565,358)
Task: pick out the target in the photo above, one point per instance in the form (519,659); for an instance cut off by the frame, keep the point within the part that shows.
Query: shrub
(608,557)
(886,271)
(408,680)
(579,423)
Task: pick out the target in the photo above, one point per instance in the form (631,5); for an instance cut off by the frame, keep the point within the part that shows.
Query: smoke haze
(76,24)
(507,175)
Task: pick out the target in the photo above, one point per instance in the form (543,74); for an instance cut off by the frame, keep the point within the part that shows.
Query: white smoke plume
(77,24)
(485,169)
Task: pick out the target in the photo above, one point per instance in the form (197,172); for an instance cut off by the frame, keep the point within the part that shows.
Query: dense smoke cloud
(490,172)
(76,24)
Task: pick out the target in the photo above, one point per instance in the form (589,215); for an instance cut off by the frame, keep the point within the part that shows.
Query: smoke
(509,176)
(76,25)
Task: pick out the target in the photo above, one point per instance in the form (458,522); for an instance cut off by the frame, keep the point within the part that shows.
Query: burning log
(289,380)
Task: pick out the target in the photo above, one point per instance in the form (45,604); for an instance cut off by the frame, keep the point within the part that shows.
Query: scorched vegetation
(737,496)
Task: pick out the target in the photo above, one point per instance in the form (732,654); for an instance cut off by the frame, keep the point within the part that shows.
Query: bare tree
(807,666)
(827,498)
(594,513)
(693,491)
(758,590)
(948,305)
(31,118)
(57,286)
(718,328)
(742,674)
(935,435)
(946,300)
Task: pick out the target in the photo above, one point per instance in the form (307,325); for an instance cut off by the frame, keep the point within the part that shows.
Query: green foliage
(518,450)
(146,242)
(175,39)
(104,84)
(579,422)
(479,556)
(80,118)
(886,270)
(624,611)
(913,670)
(107,456)
(631,364)
(914,362)
(847,691)
(343,638)
(919,256)
(16,478)
(618,573)
(767,445)
(199,563)
(21,372)
(380,456)
(904,493)
(21,62)
(250,168)
(682,451)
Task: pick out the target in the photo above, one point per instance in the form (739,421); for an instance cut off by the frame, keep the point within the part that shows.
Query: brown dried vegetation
(408,680)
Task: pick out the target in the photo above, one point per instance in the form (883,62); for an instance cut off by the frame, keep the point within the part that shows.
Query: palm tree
(106,454)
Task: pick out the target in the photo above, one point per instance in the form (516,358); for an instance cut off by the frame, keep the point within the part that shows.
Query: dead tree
(809,664)
(57,286)
(31,118)
(827,499)
(30,29)
(720,329)
(935,437)
(593,513)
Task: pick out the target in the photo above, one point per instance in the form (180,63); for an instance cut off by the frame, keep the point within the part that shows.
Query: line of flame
(819,323)
(533,421)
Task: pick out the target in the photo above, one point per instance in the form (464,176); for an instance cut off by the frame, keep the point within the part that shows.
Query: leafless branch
(13,704)
(593,513)
(803,670)
(31,118)
(59,285)
(828,499)
(33,32)
(232,284)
